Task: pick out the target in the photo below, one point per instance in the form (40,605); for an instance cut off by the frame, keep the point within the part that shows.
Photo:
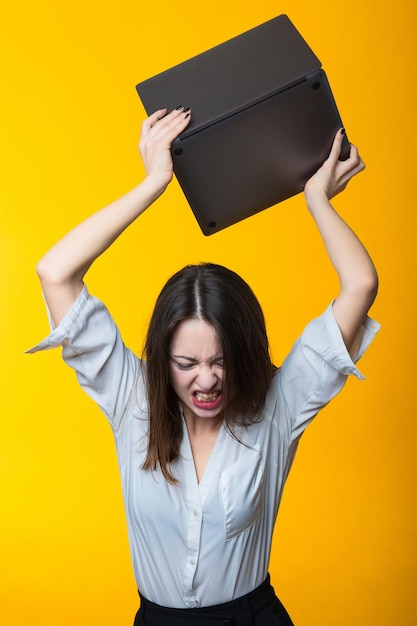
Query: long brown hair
(223,299)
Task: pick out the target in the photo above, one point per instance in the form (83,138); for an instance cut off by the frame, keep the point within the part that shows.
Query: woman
(206,428)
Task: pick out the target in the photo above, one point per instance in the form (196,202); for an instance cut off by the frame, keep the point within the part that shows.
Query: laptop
(263,121)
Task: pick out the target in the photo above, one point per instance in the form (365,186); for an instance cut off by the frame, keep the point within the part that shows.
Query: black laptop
(263,121)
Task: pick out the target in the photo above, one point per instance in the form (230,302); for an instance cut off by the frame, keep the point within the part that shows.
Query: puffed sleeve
(317,368)
(93,347)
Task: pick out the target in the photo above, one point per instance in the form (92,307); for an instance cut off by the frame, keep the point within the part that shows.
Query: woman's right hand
(158,132)
(62,269)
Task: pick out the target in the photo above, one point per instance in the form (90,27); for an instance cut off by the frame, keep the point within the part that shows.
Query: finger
(157,115)
(336,146)
(352,165)
(153,119)
(161,120)
(351,173)
(172,125)
(355,157)
(162,127)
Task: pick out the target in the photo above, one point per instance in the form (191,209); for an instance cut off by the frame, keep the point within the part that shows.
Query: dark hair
(223,299)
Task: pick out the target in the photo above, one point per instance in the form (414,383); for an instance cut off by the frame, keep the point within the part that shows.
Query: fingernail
(187,109)
(179,108)
(188,115)
(342,130)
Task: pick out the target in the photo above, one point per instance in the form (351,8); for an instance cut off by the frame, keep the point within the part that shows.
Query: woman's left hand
(334,175)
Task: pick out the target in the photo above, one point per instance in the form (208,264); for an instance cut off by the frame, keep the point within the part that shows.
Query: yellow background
(344,548)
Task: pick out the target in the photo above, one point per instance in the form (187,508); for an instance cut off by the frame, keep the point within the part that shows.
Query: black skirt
(260,607)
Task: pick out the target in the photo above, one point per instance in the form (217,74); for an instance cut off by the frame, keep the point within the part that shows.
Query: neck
(202,425)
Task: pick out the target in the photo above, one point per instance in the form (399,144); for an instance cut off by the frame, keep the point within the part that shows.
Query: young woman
(206,427)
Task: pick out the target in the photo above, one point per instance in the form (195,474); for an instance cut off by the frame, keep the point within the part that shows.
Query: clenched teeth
(206,397)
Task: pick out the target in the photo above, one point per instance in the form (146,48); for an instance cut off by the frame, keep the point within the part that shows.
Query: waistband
(239,611)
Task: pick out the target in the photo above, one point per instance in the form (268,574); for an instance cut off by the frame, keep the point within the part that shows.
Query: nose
(207,378)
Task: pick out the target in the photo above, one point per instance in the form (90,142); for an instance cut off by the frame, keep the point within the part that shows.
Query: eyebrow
(191,359)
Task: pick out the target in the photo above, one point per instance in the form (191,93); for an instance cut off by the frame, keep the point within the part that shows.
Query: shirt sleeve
(317,368)
(93,347)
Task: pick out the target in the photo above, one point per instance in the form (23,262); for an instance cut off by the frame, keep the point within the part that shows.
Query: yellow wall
(344,551)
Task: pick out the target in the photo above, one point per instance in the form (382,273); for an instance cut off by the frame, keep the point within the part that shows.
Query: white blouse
(198,544)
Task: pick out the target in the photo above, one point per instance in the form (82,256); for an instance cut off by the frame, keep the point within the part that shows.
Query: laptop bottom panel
(259,156)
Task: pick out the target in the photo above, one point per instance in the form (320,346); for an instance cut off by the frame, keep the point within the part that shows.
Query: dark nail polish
(187,109)
(343,131)
(179,108)
(188,115)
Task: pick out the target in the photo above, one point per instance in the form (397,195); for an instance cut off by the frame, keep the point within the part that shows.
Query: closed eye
(189,363)
(184,366)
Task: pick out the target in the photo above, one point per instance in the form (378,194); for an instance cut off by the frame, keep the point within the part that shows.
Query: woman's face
(196,369)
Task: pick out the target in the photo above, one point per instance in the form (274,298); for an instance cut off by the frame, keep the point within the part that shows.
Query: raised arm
(62,269)
(357,275)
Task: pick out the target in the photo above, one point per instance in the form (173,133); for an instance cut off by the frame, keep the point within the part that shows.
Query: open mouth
(209,400)
(206,397)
